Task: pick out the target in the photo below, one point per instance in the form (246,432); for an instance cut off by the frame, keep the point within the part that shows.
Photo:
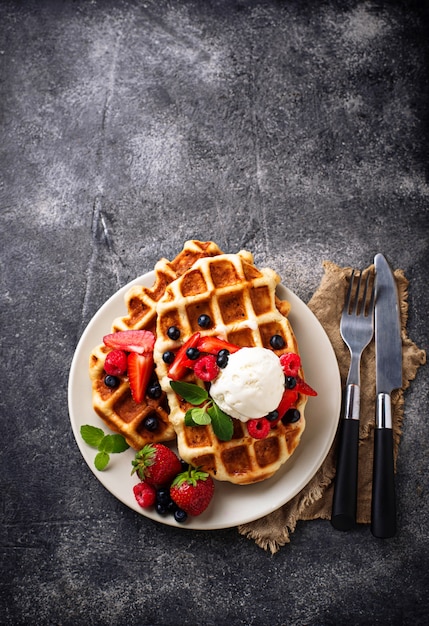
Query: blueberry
(173,332)
(151,423)
(290,382)
(161,509)
(168,357)
(154,391)
(204,321)
(272,416)
(180,516)
(277,342)
(163,496)
(222,358)
(111,381)
(192,353)
(291,416)
(172,507)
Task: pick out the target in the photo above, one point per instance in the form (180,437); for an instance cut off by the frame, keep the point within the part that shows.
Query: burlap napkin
(315,500)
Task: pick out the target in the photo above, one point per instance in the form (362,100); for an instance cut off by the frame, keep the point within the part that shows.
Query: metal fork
(357,329)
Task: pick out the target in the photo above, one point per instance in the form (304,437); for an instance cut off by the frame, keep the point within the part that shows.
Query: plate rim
(202,522)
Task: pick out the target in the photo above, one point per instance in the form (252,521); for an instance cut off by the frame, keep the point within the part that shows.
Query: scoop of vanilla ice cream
(251,385)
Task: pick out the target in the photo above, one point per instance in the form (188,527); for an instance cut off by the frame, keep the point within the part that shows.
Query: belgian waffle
(241,302)
(116,406)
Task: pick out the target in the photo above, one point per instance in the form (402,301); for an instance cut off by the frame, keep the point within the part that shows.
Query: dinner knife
(388,358)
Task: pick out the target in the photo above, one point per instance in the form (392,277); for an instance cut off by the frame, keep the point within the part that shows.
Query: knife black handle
(343,515)
(383,507)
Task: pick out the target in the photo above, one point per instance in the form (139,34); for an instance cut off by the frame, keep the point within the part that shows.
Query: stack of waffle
(243,308)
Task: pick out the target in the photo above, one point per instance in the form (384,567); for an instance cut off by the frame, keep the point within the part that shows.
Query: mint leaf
(101,460)
(91,435)
(188,418)
(200,416)
(189,392)
(119,443)
(106,444)
(221,423)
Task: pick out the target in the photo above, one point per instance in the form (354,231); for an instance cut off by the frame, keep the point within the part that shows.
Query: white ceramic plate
(232,504)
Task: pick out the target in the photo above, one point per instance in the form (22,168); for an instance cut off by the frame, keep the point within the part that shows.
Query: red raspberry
(258,428)
(290,363)
(206,367)
(145,495)
(115,363)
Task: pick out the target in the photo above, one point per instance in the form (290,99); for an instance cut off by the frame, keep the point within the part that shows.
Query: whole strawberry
(156,464)
(192,491)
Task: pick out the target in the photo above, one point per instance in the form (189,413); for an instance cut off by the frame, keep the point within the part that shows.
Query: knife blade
(388,351)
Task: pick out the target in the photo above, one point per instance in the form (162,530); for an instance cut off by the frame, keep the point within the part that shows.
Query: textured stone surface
(296,129)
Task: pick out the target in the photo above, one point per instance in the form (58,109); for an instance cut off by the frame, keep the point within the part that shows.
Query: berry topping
(173,332)
(291,416)
(290,382)
(304,388)
(204,321)
(213,345)
(168,357)
(258,428)
(151,423)
(156,464)
(277,342)
(206,367)
(192,354)
(289,399)
(115,363)
(222,358)
(290,363)
(140,368)
(192,491)
(154,390)
(273,416)
(145,495)
(111,381)
(140,341)
(181,361)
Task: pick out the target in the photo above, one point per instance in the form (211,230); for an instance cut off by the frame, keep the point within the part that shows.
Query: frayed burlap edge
(315,500)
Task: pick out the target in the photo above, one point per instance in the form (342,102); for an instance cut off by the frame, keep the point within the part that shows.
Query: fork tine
(372,300)
(356,303)
(349,292)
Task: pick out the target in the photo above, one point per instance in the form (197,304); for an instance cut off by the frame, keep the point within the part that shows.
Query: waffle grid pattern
(241,301)
(116,406)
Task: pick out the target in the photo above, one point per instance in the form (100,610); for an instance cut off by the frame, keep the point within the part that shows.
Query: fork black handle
(343,515)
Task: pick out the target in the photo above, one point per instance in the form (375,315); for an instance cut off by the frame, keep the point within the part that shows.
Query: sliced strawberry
(140,368)
(304,388)
(289,399)
(213,345)
(181,362)
(139,341)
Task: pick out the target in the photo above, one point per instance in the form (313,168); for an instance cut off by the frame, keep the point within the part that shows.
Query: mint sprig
(208,413)
(105,444)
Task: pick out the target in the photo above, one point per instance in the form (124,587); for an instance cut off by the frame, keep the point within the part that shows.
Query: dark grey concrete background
(296,129)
